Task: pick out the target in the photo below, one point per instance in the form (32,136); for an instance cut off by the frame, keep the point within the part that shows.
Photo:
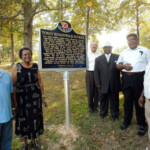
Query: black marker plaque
(62,48)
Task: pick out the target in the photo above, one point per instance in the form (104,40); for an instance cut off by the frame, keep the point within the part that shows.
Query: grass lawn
(88,132)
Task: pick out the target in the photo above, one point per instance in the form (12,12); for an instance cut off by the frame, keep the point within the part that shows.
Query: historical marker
(62,49)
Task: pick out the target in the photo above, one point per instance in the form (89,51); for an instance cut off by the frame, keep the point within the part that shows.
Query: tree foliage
(132,12)
(101,17)
(25,12)
(23,18)
(18,15)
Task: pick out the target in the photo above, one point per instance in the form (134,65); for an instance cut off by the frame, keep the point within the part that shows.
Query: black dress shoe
(102,116)
(114,118)
(35,146)
(124,126)
(91,111)
(142,130)
(26,147)
(96,110)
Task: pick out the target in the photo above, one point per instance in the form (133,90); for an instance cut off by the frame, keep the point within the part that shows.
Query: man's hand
(141,101)
(127,67)
(98,86)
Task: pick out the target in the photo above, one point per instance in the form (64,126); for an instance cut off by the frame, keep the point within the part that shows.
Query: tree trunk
(61,11)
(12,49)
(28,27)
(137,20)
(28,34)
(87,27)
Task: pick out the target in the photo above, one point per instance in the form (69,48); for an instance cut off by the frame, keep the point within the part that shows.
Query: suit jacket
(106,74)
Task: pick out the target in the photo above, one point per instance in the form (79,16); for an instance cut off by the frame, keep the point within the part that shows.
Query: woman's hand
(44,101)
(14,112)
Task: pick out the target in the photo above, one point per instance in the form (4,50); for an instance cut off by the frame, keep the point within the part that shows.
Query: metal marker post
(63,30)
(67,99)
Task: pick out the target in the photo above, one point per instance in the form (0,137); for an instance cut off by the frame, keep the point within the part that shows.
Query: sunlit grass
(93,133)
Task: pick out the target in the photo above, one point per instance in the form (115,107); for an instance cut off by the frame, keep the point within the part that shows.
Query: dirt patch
(66,137)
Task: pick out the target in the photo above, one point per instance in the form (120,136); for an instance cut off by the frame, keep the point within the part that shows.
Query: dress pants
(92,92)
(132,87)
(113,97)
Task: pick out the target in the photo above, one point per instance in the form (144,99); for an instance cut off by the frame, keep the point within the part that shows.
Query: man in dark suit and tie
(107,79)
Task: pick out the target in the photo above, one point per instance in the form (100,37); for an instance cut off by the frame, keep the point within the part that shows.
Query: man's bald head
(93,46)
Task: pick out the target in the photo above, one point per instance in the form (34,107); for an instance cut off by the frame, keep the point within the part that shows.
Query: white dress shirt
(91,60)
(138,58)
(107,57)
(147,82)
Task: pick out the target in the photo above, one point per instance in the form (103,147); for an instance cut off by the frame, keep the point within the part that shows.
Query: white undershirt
(107,57)
(91,60)
(138,58)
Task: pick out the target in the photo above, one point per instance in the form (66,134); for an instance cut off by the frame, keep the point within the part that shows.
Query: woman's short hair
(22,49)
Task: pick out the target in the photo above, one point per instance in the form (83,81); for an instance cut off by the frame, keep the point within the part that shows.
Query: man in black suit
(107,79)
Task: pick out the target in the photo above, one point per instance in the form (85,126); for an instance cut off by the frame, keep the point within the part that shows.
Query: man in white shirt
(107,79)
(132,62)
(146,93)
(92,92)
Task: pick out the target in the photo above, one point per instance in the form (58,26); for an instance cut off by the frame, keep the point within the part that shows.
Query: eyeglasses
(130,40)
